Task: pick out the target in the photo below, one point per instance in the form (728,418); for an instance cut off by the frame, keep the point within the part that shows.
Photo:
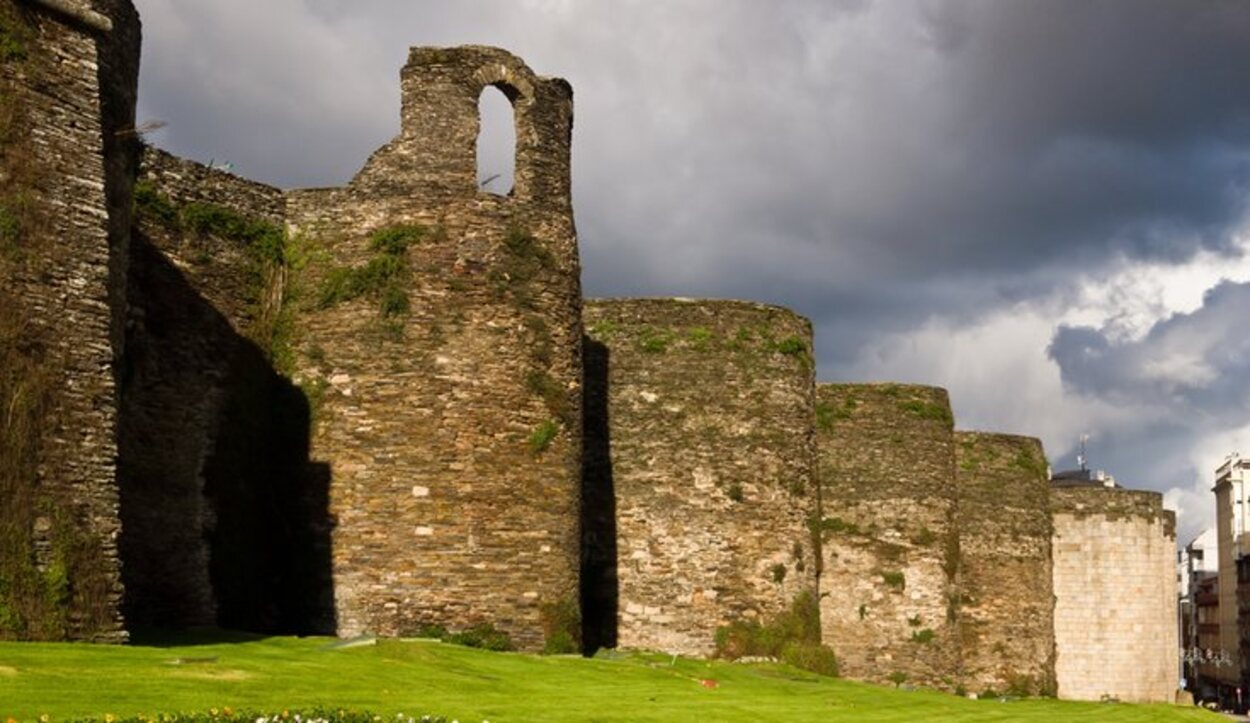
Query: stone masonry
(1115,594)
(1006,610)
(202,412)
(361,409)
(890,551)
(708,458)
(67,89)
(452,426)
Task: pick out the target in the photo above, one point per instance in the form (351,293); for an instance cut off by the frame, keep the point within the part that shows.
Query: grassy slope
(425,677)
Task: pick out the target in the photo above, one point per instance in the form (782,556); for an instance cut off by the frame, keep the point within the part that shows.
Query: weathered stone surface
(1006,610)
(67,92)
(451,426)
(890,550)
(1115,594)
(218,496)
(707,466)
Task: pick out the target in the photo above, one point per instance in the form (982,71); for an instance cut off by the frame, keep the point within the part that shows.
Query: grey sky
(1021,201)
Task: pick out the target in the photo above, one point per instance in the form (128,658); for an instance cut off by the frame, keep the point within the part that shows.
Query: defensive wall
(888,599)
(699,444)
(1115,594)
(1006,600)
(361,409)
(440,329)
(219,499)
(67,91)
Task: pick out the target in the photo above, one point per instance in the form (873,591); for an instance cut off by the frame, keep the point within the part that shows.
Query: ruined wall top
(435,151)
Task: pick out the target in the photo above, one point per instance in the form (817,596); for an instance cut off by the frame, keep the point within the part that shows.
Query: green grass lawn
(416,678)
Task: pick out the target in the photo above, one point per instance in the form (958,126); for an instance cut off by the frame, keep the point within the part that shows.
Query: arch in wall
(496,145)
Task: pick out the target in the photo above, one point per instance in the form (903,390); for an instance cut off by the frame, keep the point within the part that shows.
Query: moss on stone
(15,34)
(154,206)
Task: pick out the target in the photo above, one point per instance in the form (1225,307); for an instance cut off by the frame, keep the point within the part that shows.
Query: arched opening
(496,140)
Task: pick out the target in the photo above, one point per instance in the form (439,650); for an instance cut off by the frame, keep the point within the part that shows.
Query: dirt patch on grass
(225,674)
(7,672)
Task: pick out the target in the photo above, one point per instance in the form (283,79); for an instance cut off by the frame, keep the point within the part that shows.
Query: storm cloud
(914,176)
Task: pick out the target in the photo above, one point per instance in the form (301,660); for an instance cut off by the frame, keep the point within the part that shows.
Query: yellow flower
(227,710)
(212,712)
(45,718)
(286,714)
(109,718)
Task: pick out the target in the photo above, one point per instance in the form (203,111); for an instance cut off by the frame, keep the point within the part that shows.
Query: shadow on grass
(150,637)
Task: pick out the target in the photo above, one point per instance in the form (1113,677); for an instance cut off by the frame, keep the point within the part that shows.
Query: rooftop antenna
(1080,456)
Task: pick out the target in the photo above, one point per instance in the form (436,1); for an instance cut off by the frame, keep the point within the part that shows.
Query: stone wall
(1115,594)
(1006,613)
(441,329)
(705,471)
(219,500)
(890,550)
(59,308)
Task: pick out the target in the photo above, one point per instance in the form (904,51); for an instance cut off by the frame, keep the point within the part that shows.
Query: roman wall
(223,513)
(699,455)
(1006,607)
(439,328)
(361,409)
(888,599)
(67,84)
(1115,594)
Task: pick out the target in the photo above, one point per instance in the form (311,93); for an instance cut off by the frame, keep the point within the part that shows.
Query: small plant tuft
(483,635)
(924,637)
(154,206)
(543,435)
(15,35)
(927,410)
(798,626)
(894,579)
(778,573)
(562,628)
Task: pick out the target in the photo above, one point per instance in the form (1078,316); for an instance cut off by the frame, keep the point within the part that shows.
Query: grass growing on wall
(792,636)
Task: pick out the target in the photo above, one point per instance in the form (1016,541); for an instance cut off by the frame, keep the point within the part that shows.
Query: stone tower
(450,392)
(889,601)
(699,478)
(68,73)
(1115,593)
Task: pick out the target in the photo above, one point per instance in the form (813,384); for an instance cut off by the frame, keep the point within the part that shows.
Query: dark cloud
(1194,363)
(879,167)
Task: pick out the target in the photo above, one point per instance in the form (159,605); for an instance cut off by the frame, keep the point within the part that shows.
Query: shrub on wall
(793,637)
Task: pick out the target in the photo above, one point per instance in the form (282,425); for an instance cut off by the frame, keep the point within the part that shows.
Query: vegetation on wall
(15,34)
(562,627)
(518,273)
(792,636)
(384,278)
(52,572)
